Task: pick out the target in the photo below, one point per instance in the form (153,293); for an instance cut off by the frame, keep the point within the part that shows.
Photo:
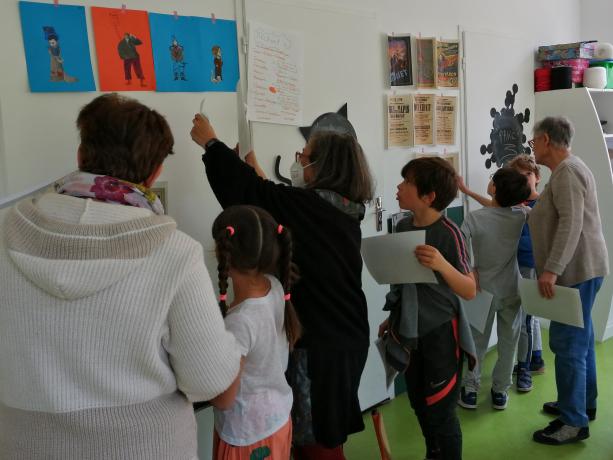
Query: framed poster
(400,120)
(446,110)
(447,57)
(423,116)
(425,49)
(399,58)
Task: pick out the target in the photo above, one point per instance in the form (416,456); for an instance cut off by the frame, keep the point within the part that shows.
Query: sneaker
(499,400)
(467,399)
(552,409)
(524,381)
(537,366)
(557,433)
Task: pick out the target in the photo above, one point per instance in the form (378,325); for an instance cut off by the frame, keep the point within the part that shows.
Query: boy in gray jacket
(493,234)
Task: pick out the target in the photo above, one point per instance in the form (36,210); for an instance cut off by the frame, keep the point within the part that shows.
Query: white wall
(526,19)
(596,16)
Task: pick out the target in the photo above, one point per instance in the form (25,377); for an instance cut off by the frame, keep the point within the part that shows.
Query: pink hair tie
(223,297)
(280,229)
(230,229)
(287,296)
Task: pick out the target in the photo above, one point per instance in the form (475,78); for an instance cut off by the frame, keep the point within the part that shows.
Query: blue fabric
(524,248)
(575,360)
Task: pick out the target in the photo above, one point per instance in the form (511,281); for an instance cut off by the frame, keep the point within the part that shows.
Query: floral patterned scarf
(110,190)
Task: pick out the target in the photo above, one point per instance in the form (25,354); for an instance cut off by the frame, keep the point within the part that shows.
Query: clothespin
(175,14)
(56,2)
(213,18)
(123,8)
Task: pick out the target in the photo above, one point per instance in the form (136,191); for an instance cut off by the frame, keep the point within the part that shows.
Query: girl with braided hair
(256,253)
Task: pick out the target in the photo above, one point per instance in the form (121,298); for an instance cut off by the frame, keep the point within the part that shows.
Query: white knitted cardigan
(108,328)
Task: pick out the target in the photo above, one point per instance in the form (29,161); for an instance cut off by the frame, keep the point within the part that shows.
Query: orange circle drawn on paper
(272,89)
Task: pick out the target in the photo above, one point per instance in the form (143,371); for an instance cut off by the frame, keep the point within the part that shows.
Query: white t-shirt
(264,398)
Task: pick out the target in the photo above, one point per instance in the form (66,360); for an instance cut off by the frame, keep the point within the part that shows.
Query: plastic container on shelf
(595,77)
(578,66)
(608,65)
(579,50)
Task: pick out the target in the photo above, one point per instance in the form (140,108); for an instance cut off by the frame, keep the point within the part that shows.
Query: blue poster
(193,53)
(177,53)
(56,47)
(220,53)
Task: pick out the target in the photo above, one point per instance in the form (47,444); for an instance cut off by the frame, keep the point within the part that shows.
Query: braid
(288,275)
(223,267)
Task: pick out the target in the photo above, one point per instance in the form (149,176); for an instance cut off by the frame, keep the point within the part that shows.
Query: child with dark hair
(530,346)
(256,253)
(426,329)
(493,233)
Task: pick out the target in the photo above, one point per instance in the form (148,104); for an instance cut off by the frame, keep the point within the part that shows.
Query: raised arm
(235,182)
(482,200)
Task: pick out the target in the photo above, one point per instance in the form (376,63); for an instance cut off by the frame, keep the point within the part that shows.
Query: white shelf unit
(585,108)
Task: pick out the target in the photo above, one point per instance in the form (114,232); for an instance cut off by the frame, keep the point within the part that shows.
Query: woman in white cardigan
(109,327)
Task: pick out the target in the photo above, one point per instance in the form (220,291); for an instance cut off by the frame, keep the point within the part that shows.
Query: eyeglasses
(531,141)
(300,156)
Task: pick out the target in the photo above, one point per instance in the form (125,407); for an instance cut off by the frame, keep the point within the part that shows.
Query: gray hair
(559,129)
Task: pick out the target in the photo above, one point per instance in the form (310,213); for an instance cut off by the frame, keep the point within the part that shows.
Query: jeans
(575,361)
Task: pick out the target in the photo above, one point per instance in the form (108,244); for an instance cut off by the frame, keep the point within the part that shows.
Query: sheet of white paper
(390,259)
(565,306)
(244,130)
(478,309)
(390,372)
(202,108)
(275,68)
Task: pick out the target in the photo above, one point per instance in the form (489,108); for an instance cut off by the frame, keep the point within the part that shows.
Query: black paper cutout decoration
(507,136)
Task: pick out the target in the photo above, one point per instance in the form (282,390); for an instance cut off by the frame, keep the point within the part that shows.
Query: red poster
(123,47)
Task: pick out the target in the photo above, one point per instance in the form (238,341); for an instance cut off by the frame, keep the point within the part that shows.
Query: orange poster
(123,47)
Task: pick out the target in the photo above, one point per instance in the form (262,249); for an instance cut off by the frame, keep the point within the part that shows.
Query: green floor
(501,435)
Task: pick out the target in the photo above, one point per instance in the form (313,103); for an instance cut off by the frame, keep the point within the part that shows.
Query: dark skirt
(325,384)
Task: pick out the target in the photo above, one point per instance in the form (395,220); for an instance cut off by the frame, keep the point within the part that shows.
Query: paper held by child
(391,259)
(390,372)
(478,309)
(565,306)
(244,130)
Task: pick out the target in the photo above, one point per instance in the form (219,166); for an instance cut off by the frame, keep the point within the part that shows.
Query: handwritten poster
(399,120)
(399,56)
(447,55)
(423,106)
(425,62)
(445,119)
(275,75)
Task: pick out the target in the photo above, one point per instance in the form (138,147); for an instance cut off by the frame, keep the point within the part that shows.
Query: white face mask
(296,172)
